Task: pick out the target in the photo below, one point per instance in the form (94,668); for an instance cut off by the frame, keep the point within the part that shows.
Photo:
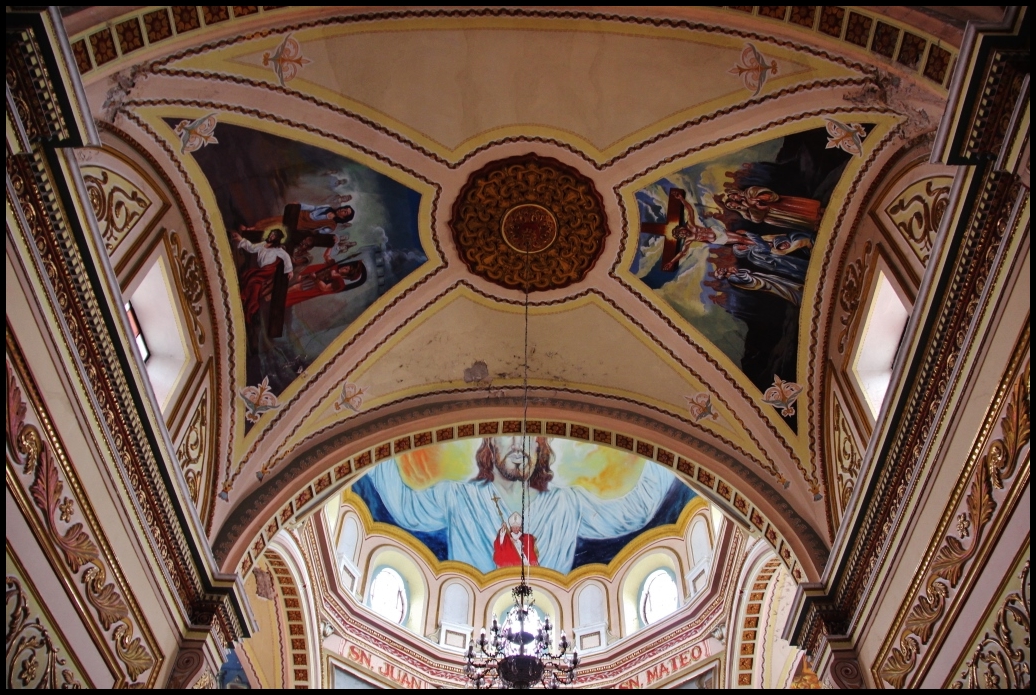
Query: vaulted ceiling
(227,115)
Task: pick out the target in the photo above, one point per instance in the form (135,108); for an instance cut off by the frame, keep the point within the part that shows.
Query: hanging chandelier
(520,653)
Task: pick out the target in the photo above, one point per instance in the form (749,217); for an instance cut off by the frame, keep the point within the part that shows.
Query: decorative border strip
(291,597)
(698,477)
(886,39)
(750,625)
(951,563)
(75,549)
(889,40)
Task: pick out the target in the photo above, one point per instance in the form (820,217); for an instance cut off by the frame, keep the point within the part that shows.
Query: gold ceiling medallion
(529,202)
(529,228)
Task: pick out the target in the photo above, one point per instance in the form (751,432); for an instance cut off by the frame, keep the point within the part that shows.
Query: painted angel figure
(753,69)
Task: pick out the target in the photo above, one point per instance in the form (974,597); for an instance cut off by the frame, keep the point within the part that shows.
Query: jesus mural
(472,513)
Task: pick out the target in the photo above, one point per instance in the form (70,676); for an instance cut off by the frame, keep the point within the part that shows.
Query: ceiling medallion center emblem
(529,228)
(534,203)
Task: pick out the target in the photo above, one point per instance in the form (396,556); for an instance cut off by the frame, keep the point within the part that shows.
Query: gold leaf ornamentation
(31,653)
(999,464)
(117,204)
(192,450)
(78,550)
(999,661)
(847,457)
(852,293)
(521,202)
(918,211)
(191,282)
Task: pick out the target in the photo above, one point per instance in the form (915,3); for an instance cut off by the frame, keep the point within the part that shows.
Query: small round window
(388,596)
(659,597)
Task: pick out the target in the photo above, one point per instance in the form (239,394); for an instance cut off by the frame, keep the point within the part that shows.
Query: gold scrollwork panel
(1000,658)
(996,472)
(194,448)
(854,284)
(118,204)
(51,498)
(845,456)
(191,284)
(917,213)
(38,656)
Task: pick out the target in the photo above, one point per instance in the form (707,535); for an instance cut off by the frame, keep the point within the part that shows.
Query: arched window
(701,545)
(592,606)
(349,539)
(455,602)
(388,595)
(658,597)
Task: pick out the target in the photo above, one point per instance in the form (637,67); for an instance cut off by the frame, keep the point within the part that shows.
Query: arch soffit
(309,480)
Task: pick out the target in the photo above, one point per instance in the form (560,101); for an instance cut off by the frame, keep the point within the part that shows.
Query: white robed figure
(556,517)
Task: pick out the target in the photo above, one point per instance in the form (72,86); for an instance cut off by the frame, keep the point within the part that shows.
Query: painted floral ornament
(286,60)
(195,135)
(351,397)
(848,138)
(753,69)
(783,395)
(258,399)
(700,407)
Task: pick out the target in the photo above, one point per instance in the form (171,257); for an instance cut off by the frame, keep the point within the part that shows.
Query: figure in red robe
(325,278)
(761,204)
(511,544)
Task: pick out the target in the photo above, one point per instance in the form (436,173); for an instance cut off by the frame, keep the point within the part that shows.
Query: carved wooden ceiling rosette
(534,206)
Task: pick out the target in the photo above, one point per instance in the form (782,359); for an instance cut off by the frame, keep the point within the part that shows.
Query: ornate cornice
(969,267)
(57,247)
(993,483)
(49,494)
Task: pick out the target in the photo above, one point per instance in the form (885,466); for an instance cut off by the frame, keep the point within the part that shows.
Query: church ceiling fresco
(711,212)
(316,237)
(463,500)
(727,244)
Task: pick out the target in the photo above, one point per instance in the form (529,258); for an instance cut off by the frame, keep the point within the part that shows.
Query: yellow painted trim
(825,237)
(154,115)
(230,60)
(328,416)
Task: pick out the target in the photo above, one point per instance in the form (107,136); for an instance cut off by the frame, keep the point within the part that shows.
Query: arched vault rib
(316,472)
